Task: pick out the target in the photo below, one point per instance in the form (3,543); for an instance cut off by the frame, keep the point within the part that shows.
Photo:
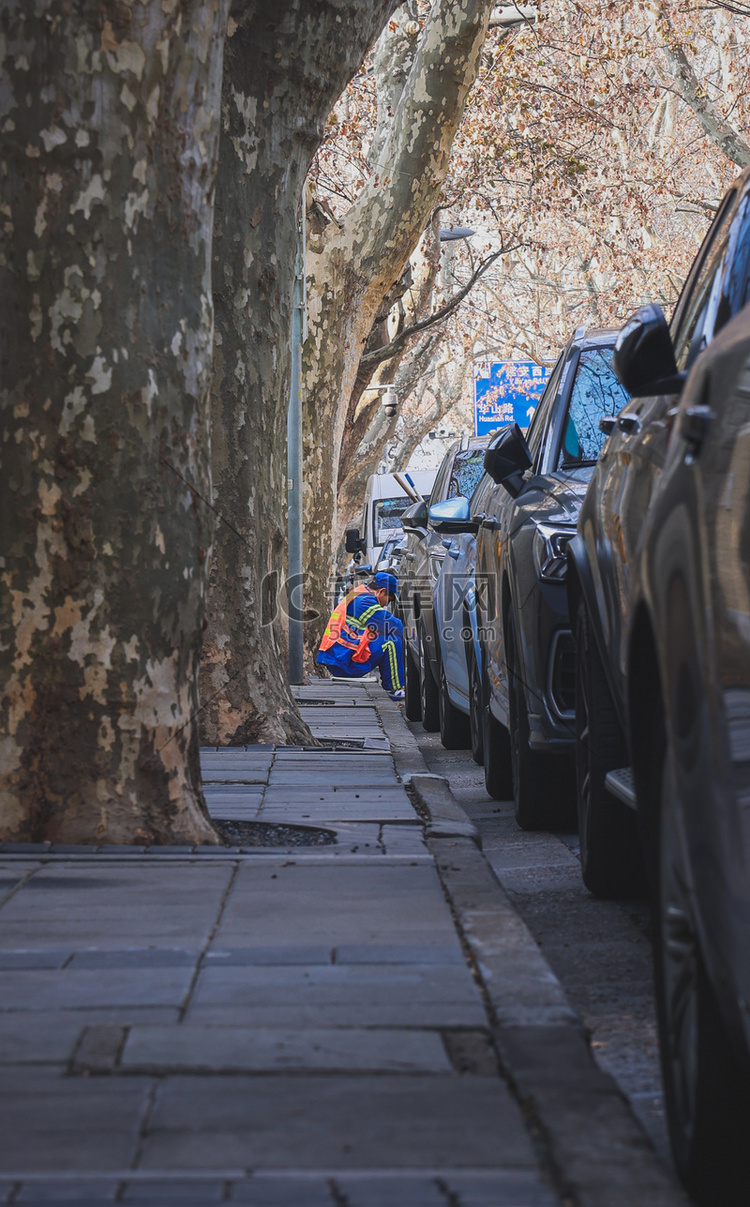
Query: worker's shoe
(398,695)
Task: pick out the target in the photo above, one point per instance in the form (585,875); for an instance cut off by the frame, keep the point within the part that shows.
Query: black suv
(689,722)
(652,360)
(522,611)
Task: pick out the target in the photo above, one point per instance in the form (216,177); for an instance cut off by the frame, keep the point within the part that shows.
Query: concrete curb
(597,1152)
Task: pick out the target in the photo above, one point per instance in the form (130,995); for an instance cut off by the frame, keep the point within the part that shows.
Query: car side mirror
(353,542)
(453,515)
(415,516)
(507,459)
(644,357)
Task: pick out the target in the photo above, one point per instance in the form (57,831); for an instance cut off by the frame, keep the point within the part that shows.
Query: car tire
(412,689)
(476,720)
(429,691)
(454,725)
(707,1090)
(611,861)
(498,776)
(537,783)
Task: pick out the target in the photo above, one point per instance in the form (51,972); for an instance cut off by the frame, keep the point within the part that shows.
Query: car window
(388,514)
(479,498)
(440,484)
(720,287)
(596,392)
(538,423)
(468,468)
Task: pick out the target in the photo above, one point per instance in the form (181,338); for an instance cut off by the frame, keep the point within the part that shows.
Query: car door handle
(629,423)
(694,425)
(454,553)
(607,424)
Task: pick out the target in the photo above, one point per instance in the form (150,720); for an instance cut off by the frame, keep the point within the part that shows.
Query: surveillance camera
(390,402)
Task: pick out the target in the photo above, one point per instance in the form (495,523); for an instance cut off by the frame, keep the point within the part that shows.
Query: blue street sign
(506,391)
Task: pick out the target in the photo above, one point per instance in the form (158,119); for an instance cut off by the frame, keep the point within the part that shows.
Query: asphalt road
(599,950)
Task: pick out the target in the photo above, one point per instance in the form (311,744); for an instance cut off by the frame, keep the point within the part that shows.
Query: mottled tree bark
(286,63)
(353,265)
(109,121)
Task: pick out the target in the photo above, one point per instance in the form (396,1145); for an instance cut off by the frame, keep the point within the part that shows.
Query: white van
(384,505)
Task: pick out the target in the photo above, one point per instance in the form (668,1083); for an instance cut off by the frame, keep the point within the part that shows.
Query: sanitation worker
(363,635)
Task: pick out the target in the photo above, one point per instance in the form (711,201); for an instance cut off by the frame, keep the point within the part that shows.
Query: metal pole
(294,468)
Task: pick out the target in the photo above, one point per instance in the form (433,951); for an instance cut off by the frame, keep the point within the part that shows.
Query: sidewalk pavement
(362,1022)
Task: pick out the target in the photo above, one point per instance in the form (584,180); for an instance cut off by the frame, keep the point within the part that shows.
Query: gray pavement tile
(400,953)
(71,1191)
(332,905)
(444,1015)
(54,958)
(339,984)
(175,1190)
(28,1038)
(136,957)
(375,1191)
(280,954)
(24,848)
(258,1049)
(58,1123)
(114,987)
(322,1122)
(280,1191)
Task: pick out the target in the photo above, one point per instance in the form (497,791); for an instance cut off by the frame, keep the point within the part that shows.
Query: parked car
(526,644)
(688,673)
(652,359)
(384,504)
(459,654)
(457,477)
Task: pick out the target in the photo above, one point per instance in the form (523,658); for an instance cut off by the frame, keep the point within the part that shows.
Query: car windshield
(596,392)
(388,514)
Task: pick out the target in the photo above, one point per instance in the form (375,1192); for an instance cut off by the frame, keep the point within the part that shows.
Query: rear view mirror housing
(507,459)
(644,357)
(452,515)
(353,542)
(415,516)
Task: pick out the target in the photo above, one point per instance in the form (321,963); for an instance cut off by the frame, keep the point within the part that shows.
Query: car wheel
(476,725)
(498,776)
(611,862)
(537,783)
(707,1091)
(412,690)
(429,691)
(454,725)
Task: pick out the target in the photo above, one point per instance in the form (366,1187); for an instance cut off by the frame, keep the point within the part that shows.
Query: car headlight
(550,545)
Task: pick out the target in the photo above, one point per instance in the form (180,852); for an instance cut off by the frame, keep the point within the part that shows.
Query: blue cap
(387,581)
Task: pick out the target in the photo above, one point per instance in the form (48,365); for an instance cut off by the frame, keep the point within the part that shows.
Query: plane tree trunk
(286,63)
(109,120)
(354,263)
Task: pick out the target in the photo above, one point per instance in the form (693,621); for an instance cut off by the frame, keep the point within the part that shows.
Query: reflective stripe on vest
(341,629)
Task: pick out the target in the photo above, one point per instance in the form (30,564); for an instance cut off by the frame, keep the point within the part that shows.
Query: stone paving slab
(317,1122)
(419,1015)
(33,990)
(263,1188)
(54,1123)
(282,1049)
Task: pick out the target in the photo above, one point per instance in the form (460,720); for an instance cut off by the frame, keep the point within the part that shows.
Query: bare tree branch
(690,90)
(371,359)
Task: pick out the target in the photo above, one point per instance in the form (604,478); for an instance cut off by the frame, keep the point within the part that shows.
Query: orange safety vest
(340,632)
